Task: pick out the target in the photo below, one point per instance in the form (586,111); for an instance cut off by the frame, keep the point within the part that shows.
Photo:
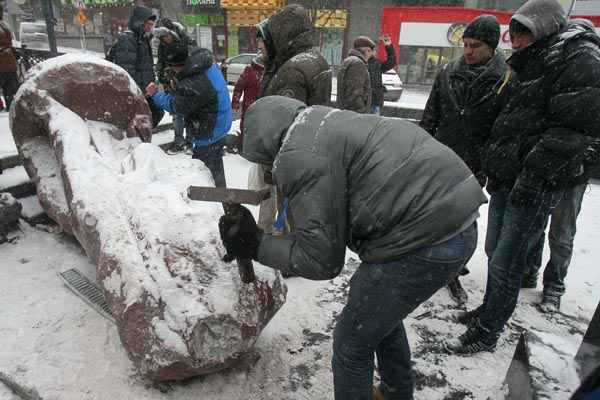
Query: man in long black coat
(466,98)
(133,53)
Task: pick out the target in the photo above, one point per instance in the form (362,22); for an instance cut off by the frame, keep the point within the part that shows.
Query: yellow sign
(251,4)
(80,18)
(247,17)
(331,19)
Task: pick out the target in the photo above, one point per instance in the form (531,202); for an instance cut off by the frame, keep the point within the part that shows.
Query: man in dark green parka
(294,68)
(382,187)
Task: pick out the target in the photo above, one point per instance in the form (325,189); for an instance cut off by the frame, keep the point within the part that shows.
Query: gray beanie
(485,28)
(542,17)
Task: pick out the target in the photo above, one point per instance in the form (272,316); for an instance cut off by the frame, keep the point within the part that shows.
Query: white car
(34,35)
(233,67)
(392,86)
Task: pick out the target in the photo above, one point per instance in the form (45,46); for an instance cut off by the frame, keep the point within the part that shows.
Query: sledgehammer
(231,200)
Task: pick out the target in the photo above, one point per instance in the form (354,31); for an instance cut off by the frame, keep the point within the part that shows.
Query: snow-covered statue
(83,129)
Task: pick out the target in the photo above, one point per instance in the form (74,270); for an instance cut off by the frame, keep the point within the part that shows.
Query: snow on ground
(55,343)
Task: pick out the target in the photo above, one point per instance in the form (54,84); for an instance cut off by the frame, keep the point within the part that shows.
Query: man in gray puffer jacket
(382,187)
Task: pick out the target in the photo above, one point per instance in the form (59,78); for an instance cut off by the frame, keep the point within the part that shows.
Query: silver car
(34,35)
(233,67)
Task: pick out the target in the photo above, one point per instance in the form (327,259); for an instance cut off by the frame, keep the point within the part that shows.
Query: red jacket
(249,85)
(8,62)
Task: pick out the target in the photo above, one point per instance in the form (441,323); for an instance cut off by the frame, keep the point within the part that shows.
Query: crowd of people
(404,197)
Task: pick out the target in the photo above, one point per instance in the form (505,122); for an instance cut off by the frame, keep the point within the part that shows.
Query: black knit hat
(176,54)
(485,28)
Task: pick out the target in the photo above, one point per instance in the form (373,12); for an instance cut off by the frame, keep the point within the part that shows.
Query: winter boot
(456,291)
(529,281)
(475,340)
(550,303)
(468,317)
(175,148)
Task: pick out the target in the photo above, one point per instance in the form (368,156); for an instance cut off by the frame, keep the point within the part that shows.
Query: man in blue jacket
(199,94)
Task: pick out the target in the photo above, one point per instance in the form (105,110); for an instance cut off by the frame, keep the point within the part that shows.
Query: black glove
(239,233)
(526,191)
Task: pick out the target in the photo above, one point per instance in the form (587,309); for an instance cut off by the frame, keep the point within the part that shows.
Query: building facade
(427,38)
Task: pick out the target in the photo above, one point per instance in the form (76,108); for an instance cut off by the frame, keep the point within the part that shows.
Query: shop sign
(203,19)
(455,33)
(98,2)
(434,34)
(202,3)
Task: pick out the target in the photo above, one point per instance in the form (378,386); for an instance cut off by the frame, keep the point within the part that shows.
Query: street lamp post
(50,22)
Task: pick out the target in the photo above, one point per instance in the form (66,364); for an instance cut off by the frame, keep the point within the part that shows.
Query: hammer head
(225,195)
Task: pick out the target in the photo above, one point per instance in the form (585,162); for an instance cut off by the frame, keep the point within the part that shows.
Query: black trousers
(9,84)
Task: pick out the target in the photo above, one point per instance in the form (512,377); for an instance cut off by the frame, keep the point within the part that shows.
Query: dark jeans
(563,226)
(9,84)
(381,296)
(509,233)
(212,157)
(179,129)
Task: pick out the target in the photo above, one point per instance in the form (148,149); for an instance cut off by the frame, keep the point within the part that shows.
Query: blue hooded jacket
(201,97)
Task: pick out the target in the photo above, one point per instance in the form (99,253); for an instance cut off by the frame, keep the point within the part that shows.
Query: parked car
(233,67)
(34,35)
(392,86)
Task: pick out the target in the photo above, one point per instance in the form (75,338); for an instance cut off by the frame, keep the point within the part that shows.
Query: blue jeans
(381,296)
(509,233)
(376,110)
(178,128)
(212,157)
(563,226)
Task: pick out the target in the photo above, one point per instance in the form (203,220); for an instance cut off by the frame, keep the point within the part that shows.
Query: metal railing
(27,58)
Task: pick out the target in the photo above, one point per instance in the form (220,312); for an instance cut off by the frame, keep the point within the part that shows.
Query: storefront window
(420,65)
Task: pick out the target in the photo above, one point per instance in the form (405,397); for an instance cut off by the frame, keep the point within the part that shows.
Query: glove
(239,233)
(526,192)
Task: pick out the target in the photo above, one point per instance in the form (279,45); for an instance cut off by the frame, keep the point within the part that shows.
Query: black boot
(475,340)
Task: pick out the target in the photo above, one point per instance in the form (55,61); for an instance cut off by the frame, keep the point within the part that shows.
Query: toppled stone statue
(80,124)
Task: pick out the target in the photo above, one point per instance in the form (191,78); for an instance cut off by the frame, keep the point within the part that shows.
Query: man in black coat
(466,98)
(545,141)
(376,68)
(133,53)
(132,50)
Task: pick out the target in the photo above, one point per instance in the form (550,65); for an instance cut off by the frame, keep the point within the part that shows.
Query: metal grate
(88,291)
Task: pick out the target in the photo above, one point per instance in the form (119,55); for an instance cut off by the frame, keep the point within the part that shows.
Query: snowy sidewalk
(55,343)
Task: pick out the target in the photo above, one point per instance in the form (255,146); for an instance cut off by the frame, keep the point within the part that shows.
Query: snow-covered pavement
(55,343)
